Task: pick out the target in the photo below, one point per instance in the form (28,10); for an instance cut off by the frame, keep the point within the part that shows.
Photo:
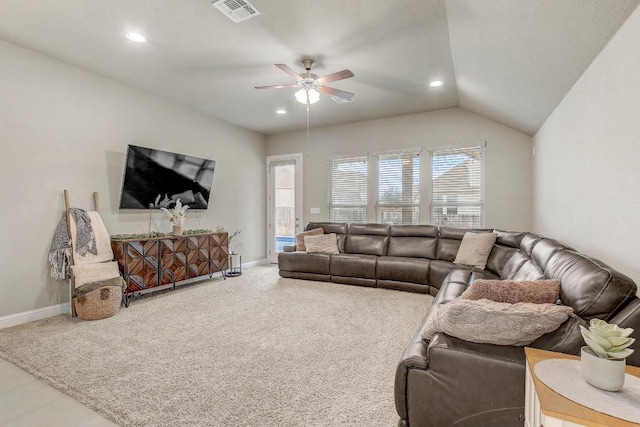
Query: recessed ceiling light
(281,111)
(135,37)
(436,83)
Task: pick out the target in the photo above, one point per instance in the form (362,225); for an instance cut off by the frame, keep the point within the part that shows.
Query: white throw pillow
(322,243)
(486,321)
(475,249)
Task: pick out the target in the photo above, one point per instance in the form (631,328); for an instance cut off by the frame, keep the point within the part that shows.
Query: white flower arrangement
(177,215)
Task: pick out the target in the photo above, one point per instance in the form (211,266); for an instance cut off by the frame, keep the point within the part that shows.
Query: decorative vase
(177,230)
(605,374)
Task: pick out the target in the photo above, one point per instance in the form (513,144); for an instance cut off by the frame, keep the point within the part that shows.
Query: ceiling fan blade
(336,92)
(289,71)
(344,74)
(277,86)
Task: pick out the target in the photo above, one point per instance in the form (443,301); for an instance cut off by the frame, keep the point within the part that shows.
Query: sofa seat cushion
(403,269)
(438,270)
(304,263)
(566,339)
(354,265)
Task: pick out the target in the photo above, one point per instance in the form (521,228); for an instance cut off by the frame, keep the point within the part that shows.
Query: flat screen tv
(155,178)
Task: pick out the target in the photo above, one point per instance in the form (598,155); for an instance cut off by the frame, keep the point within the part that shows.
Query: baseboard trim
(254,263)
(32,315)
(55,310)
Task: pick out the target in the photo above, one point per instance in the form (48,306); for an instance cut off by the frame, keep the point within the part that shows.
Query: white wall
(587,163)
(508,157)
(63,127)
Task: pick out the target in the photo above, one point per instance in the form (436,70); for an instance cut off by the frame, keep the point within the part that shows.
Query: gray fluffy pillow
(486,321)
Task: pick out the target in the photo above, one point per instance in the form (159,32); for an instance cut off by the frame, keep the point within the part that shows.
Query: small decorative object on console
(176,216)
(603,358)
(220,229)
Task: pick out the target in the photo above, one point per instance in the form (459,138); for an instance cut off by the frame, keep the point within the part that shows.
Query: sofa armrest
(465,384)
(414,357)
(289,248)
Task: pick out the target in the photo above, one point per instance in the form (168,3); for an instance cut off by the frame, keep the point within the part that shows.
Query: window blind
(398,190)
(457,198)
(348,189)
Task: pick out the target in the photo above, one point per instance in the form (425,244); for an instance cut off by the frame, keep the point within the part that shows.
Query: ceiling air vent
(339,100)
(236,10)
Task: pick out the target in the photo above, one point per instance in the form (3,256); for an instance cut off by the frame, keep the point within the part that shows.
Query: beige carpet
(255,350)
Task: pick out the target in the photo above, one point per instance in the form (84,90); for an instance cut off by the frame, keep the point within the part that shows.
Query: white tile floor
(26,401)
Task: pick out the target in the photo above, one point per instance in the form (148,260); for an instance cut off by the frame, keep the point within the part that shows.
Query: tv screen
(155,178)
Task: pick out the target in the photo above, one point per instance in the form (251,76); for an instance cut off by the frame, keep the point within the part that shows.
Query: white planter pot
(605,374)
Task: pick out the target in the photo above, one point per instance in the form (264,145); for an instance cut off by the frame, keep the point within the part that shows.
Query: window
(398,195)
(457,194)
(348,189)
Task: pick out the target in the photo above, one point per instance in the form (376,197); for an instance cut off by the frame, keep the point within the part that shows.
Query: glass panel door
(285,202)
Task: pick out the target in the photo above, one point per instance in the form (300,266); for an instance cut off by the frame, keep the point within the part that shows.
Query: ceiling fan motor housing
(308,64)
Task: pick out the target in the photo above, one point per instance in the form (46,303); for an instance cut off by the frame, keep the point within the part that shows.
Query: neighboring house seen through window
(457,197)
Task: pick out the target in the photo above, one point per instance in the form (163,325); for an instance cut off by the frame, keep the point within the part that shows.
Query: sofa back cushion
(340,228)
(368,239)
(416,241)
(507,245)
(499,258)
(512,239)
(528,242)
(449,242)
(544,250)
(528,271)
(592,288)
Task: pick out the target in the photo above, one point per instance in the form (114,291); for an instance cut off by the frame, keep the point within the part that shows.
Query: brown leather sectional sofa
(447,381)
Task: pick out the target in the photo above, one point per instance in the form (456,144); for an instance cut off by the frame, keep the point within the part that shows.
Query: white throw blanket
(102,239)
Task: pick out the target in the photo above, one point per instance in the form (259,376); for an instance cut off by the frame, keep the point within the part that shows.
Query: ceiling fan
(310,85)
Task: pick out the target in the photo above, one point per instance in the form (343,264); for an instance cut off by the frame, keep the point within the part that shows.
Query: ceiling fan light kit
(310,96)
(310,85)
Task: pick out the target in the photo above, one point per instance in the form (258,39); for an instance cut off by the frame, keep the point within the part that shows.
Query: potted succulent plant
(603,359)
(176,216)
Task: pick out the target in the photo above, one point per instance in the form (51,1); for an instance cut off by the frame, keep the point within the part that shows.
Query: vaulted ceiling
(509,60)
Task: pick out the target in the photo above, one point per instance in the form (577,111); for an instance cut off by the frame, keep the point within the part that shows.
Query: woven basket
(99,303)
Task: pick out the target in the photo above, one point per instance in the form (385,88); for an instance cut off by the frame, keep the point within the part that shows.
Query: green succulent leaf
(626,332)
(619,354)
(622,346)
(619,341)
(597,348)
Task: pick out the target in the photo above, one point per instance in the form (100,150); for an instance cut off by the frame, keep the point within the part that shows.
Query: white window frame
(459,204)
(330,189)
(377,205)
